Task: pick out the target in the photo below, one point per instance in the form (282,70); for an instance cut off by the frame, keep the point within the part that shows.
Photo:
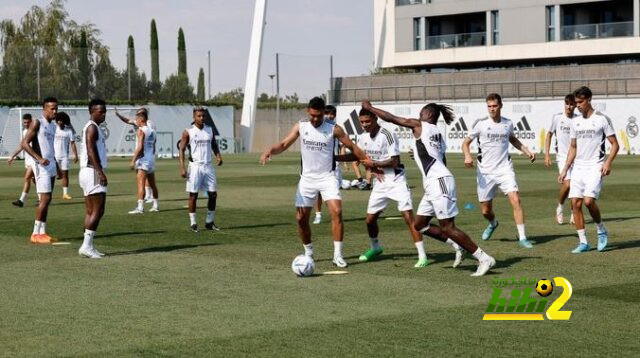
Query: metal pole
(38,70)
(129,73)
(330,100)
(209,74)
(277,96)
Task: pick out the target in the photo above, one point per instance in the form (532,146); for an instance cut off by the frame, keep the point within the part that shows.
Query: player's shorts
(63,163)
(44,177)
(586,182)
(308,189)
(488,183)
(338,173)
(439,199)
(90,182)
(561,163)
(383,191)
(28,161)
(145,164)
(201,177)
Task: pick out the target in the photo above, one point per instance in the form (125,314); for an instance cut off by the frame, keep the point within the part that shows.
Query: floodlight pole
(277,96)
(329,98)
(209,74)
(38,68)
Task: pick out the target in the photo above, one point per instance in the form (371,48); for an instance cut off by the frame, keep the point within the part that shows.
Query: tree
(177,88)
(84,68)
(182,54)
(155,64)
(200,95)
(131,55)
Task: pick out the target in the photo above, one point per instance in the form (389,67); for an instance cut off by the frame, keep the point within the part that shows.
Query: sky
(304,32)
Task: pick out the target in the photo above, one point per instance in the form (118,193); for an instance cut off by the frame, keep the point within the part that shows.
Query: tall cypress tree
(200,95)
(155,63)
(182,54)
(131,55)
(83,66)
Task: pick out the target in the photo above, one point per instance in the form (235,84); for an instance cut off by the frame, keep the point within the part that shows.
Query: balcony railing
(596,31)
(456,40)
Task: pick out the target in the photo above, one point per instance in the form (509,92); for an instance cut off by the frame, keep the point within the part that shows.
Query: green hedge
(236,105)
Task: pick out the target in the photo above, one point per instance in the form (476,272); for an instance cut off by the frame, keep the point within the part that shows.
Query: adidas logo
(458,129)
(352,125)
(523,130)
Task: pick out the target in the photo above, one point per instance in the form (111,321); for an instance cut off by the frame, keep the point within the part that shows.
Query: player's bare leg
(594,210)
(151,181)
(422,225)
(211,211)
(578,217)
(318,218)
(487,211)
(193,198)
(562,197)
(372,229)
(94,205)
(39,235)
(416,237)
(64,174)
(337,229)
(141,178)
(304,230)
(450,230)
(518,216)
(28,176)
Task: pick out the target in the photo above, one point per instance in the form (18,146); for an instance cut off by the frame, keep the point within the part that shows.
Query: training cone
(468,206)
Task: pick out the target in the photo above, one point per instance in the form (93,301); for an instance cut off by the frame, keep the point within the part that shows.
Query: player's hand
(606,169)
(44,162)
(265,157)
(183,173)
(532,157)
(75,159)
(561,177)
(379,176)
(218,160)
(132,165)
(102,178)
(10,161)
(366,104)
(368,163)
(468,162)
(547,160)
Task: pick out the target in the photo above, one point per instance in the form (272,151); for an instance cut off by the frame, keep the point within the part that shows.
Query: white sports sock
(154,203)
(600,227)
(308,249)
(454,244)
(424,230)
(141,205)
(148,193)
(87,242)
(337,249)
(521,233)
(318,213)
(23,196)
(420,246)
(211,214)
(36,227)
(375,244)
(559,208)
(192,218)
(493,223)
(480,255)
(582,235)
(65,190)
(43,227)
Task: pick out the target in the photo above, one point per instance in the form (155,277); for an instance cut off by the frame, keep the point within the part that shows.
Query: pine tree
(200,95)
(155,63)
(84,67)
(131,55)
(182,54)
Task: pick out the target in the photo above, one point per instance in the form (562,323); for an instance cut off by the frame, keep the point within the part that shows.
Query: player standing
(587,155)
(317,176)
(440,195)
(93,181)
(200,174)
(329,116)
(65,138)
(495,169)
(144,162)
(28,163)
(561,128)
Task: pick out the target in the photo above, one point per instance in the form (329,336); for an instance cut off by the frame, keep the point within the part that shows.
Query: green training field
(164,291)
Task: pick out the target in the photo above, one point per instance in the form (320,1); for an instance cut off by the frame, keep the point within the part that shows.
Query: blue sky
(310,28)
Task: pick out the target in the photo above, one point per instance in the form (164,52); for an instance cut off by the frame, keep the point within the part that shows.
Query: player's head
(432,111)
(315,111)
(26,120)
(583,99)
(330,112)
(494,105)
(49,108)
(97,110)
(368,120)
(198,116)
(142,115)
(569,104)
(62,119)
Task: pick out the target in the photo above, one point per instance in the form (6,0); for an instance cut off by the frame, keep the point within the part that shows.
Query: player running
(93,181)
(200,174)
(495,169)
(28,163)
(65,138)
(382,146)
(587,155)
(329,116)
(317,176)
(144,162)
(561,127)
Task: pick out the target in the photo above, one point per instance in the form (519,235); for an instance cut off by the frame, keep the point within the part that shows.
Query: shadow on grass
(115,234)
(168,248)
(621,218)
(623,245)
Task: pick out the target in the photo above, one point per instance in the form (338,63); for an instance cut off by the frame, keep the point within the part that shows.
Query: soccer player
(200,174)
(587,155)
(495,169)
(383,148)
(440,195)
(329,116)
(63,140)
(560,127)
(28,163)
(317,176)
(38,143)
(93,181)
(144,162)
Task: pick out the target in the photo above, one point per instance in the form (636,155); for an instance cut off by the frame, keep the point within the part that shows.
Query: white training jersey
(382,146)
(200,144)
(64,137)
(317,149)
(45,138)
(101,146)
(28,159)
(149,145)
(561,128)
(429,153)
(336,147)
(590,135)
(493,145)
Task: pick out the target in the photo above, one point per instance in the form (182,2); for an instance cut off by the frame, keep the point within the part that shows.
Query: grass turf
(164,291)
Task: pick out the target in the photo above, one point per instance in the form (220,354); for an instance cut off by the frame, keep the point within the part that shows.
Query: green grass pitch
(164,291)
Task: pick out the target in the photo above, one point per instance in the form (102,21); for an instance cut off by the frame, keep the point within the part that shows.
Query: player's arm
(606,167)
(547,149)
(138,151)
(14,154)
(283,145)
(32,132)
(74,149)
(92,153)
(466,150)
(359,154)
(571,155)
(388,117)
(216,150)
(125,119)
(521,147)
(183,146)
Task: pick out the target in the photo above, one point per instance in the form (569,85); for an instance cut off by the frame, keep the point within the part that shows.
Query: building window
(551,23)
(495,27)
(418,33)
(411,2)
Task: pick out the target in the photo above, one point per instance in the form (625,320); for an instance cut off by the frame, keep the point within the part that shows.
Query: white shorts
(201,177)
(309,188)
(338,173)
(488,183)
(561,164)
(63,163)
(44,177)
(439,199)
(383,191)
(89,182)
(586,182)
(28,161)
(145,164)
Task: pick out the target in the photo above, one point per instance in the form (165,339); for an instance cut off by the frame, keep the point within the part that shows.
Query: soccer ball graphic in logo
(544,287)
(303,265)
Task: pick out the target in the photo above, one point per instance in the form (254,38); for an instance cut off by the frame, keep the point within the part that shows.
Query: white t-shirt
(28,159)
(61,143)
(590,134)
(100,145)
(148,147)
(200,144)
(429,153)
(382,147)
(493,145)
(561,128)
(317,149)
(46,136)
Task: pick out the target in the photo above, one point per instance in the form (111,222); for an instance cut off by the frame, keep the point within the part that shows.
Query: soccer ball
(544,287)
(345,184)
(303,265)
